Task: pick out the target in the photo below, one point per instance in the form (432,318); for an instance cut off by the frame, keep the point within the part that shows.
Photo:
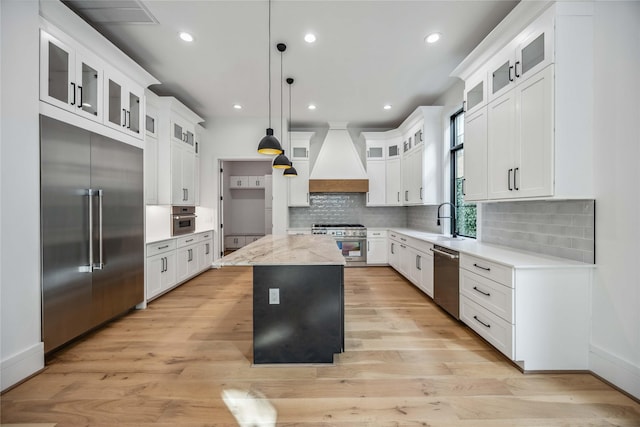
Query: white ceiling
(367,53)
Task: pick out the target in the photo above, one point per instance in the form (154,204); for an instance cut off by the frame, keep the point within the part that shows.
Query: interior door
(64,216)
(117,172)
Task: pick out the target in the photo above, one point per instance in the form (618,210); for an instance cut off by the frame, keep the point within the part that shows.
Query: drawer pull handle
(163,247)
(481,322)
(481,267)
(187,241)
(403,239)
(483,293)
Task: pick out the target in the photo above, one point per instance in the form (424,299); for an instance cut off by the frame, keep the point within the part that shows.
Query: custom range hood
(338,168)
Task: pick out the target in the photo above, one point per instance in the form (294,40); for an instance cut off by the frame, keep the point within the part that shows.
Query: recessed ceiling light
(186,36)
(309,38)
(237,106)
(387,107)
(311,107)
(432,38)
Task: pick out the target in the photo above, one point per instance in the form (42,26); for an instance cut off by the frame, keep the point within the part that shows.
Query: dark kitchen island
(298,297)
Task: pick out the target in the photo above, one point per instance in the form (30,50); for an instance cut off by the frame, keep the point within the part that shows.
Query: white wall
(615,342)
(237,139)
(21,351)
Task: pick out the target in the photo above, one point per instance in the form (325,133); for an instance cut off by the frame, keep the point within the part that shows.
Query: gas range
(350,238)
(340,230)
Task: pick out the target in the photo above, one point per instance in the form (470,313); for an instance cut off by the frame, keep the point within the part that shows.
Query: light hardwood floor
(406,363)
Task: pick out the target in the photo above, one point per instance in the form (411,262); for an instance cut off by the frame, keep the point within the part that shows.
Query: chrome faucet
(452,216)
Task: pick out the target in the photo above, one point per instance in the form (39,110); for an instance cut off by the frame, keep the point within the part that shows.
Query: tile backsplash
(350,208)
(563,228)
(423,218)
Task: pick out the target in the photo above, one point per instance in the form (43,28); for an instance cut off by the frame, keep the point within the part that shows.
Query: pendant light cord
(269,52)
(281,116)
(289,129)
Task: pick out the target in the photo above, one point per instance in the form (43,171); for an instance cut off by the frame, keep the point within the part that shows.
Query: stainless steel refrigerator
(92,224)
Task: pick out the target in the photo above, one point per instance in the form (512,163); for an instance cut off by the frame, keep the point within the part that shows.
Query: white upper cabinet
(393,173)
(524,56)
(124,102)
(376,149)
(475,92)
(86,81)
(151,156)
(299,146)
(376,144)
(531,132)
(376,171)
(70,78)
(182,131)
(421,149)
(298,186)
(474,185)
(178,165)
(520,140)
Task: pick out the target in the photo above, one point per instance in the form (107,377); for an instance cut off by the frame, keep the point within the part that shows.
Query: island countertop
(286,250)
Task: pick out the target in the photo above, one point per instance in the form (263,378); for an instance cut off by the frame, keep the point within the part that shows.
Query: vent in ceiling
(112,11)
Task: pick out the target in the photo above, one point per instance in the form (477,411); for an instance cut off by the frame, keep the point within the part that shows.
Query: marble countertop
(503,255)
(286,250)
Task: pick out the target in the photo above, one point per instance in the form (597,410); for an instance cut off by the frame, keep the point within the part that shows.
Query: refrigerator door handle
(89,267)
(100,264)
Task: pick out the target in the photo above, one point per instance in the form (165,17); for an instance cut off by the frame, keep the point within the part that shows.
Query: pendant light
(281,162)
(291,172)
(269,144)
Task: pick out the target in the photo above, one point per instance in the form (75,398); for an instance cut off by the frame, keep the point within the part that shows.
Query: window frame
(453,151)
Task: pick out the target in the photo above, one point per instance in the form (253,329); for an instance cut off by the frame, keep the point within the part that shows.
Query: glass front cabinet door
(70,79)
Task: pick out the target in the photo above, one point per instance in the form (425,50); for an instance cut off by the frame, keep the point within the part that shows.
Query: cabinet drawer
(492,295)
(376,234)
(207,235)
(491,270)
(186,240)
(422,246)
(234,242)
(489,326)
(161,247)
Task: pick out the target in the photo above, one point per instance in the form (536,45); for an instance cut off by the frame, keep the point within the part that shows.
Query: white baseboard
(618,372)
(22,365)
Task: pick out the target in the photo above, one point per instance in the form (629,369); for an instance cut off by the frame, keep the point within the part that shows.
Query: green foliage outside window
(466,214)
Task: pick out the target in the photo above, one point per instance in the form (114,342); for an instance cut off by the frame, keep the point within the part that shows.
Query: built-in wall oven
(183,220)
(350,238)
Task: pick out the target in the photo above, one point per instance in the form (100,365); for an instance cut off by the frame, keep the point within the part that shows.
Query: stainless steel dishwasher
(446,290)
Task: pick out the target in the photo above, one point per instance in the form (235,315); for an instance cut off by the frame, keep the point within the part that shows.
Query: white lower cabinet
(160,267)
(538,317)
(186,257)
(492,328)
(422,271)
(377,247)
(413,259)
(205,253)
(173,261)
(238,241)
(392,253)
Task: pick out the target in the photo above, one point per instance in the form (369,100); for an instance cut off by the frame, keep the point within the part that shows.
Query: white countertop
(159,238)
(287,250)
(507,256)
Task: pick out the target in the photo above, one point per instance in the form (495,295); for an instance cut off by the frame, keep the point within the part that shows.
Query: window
(465,212)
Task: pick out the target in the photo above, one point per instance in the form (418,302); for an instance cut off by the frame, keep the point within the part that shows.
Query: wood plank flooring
(406,363)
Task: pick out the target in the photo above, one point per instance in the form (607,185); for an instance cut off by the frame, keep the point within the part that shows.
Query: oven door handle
(188,216)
